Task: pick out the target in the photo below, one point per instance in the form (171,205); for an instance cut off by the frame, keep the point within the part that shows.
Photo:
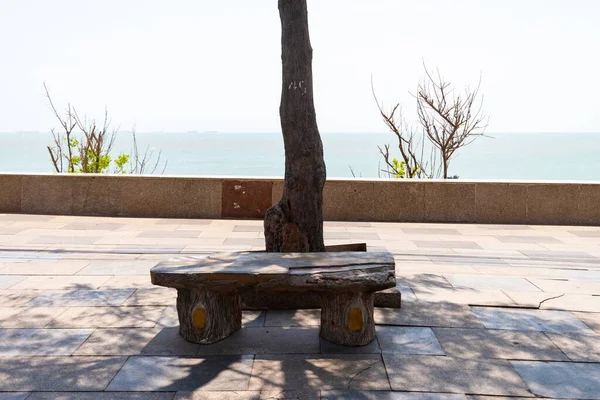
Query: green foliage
(399,168)
(120,162)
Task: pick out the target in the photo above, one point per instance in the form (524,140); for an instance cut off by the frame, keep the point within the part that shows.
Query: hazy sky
(184,65)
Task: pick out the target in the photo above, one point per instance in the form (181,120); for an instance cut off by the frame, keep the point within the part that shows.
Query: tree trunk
(295,224)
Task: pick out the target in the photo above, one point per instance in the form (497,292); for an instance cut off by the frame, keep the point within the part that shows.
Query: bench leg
(206,316)
(347,318)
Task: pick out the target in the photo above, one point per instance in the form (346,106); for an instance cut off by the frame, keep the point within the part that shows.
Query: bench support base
(347,318)
(206,316)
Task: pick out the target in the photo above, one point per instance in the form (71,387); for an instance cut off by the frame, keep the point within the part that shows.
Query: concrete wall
(548,203)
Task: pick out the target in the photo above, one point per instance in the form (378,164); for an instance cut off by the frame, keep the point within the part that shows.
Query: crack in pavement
(550,298)
(360,372)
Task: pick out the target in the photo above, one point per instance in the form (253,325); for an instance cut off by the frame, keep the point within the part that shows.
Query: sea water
(519,156)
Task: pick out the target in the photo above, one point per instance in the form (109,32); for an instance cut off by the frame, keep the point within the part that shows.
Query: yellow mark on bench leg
(199,318)
(355,319)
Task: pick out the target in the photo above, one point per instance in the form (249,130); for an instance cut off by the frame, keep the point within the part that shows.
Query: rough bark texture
(295,224)
(347,318)
(206,316)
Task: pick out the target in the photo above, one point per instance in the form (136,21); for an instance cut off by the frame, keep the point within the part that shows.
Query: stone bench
(209,305)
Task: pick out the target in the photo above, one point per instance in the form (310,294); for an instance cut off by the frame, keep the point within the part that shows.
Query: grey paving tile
(61,267)
(408,340)
(58,373)
(10,230)
(41,342)
(148,374)
(250,318)
(530,320)
(6,281)
(474,260)
(505,227)
(486,343)
(590,319)
(177,221)
(474,297)
(585,234)
(326,372)
(561,255)
(268,340)
(332,348)
(30,317)
(61,282)
(168,234)
(304,317)
(100,396)
(158,296)
(407,293)
(108,317)
(430,231)
(567,286)
(423,280)
(168,342)
(127,282)
(81,298)
(491,282)
(14,395)
(16,298)
(93,226)
(427,315)
(364,236)
(248,228)
(584,348)
(378,395)
(65,240)
(561,380)
(119,268)
(243,242)
(446,244)
(574,302)
(526,239)
(120,341)
(450,375)
(249,395)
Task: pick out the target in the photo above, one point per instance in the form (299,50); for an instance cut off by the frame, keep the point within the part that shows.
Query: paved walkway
(487,310)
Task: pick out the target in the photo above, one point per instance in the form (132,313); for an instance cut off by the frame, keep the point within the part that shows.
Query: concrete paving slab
(119,341)
(157,296)
(17,298)
(465,296)
(108,317)
(580,348)
(530,320)
(7,281)
(100,396)
(127,282)
(58,373)
(268,340)
(373,395)
(119,268)
(486,344)
(561,380)
(490,282)
(451,375)
(61,267)
(168,342)
(14,395)
(41,342)
(447,244)
(249,395)
(423,280)
(302,317)
(574,302)
(424,314)
(61,282)
(408,340)
(30,317)
(567,286)
(81,298)
(159,374)
(359,371)
(590,319)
